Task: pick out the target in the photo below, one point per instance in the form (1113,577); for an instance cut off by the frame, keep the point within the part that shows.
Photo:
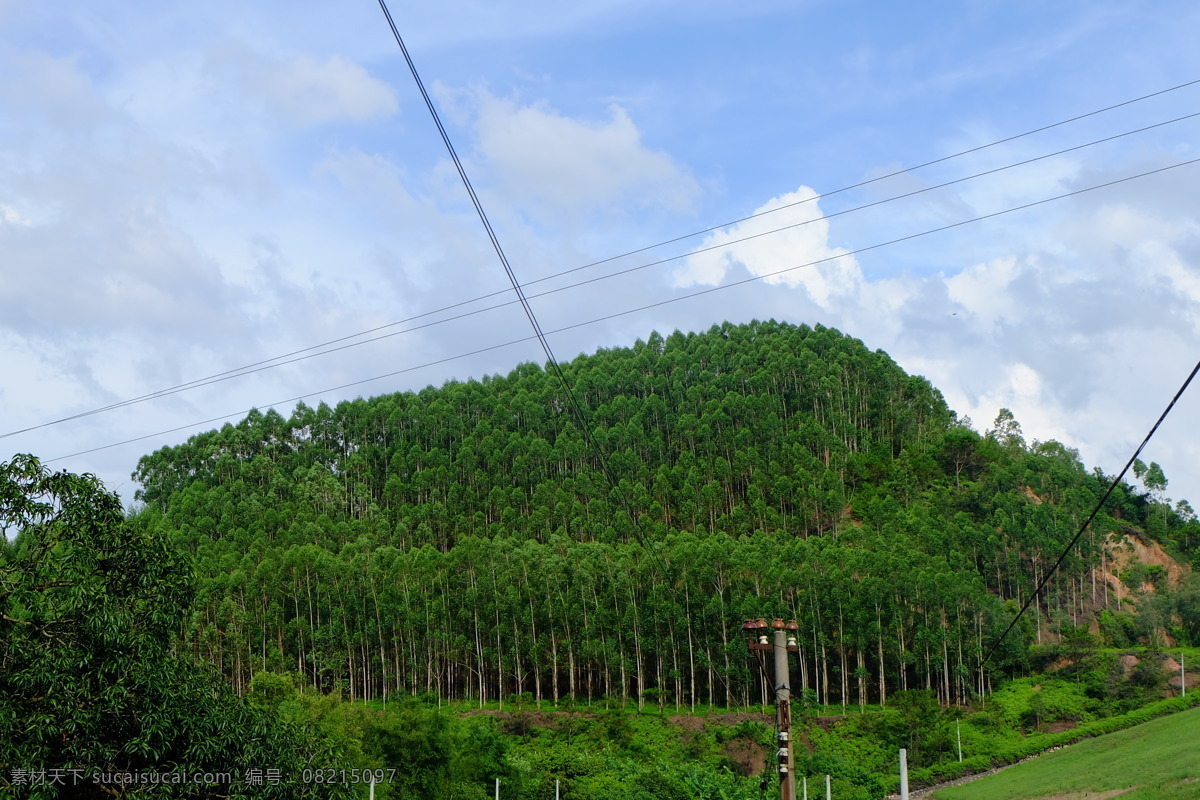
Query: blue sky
(185,189)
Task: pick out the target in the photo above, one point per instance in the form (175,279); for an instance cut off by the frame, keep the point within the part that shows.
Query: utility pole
(784,640)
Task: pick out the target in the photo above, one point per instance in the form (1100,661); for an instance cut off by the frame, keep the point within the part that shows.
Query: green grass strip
(1158,759)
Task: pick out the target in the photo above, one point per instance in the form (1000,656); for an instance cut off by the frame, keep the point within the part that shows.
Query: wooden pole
(783,715)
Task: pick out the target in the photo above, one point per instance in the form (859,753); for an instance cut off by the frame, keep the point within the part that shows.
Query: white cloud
(983,290)
(12,216)
(315,92)
(1081,319)
(1022,390)
(53,92)
(568,165)
(302,89)
(186,188)
(1183,277)
(805,243)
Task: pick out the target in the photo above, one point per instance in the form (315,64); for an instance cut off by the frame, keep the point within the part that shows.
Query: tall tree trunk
(879,642)
(687,610)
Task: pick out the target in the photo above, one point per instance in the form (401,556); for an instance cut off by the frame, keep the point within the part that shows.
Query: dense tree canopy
(466,541)
(91,688)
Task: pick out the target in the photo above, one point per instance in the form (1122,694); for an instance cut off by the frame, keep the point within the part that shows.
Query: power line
(232,372)
(299,355)
(896,173)
(1099,505)
(462,174)
(888,243)
(668,301)
(584,424)
(297,398)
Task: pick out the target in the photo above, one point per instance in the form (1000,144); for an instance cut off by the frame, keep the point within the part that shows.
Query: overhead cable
(668,301)
(1099,505)
(568,390)
(308,352)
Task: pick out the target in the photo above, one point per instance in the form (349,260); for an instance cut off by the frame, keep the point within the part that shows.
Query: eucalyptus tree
(466,539)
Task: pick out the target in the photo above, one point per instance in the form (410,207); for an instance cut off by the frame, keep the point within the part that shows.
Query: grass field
(1158,760)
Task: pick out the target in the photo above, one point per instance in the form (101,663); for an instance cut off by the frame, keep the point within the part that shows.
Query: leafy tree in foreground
(93,701)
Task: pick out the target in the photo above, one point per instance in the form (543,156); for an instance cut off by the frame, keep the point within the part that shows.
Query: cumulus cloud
(131,218)
(1084,338)
(315,92)
(53,91)
(89,244)
(578,166)
(13,216)
(106,272)
(1081,321)
(984,290)
(795,234)
(303,89)
(184,192)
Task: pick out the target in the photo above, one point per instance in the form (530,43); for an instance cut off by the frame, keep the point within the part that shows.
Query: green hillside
(465,541)
(450,586)
(1157,760)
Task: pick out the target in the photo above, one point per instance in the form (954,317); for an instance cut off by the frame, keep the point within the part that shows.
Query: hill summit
(467,541)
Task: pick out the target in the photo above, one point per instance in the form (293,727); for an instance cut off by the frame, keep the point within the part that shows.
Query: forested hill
(466,541)
(756,427)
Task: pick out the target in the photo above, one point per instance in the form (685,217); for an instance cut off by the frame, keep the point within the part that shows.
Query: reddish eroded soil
(1128,662)
(690,722)
(1128,549)
(750,757)
(1058,726)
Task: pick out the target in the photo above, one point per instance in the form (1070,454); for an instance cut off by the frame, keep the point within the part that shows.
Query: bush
(1118,629)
